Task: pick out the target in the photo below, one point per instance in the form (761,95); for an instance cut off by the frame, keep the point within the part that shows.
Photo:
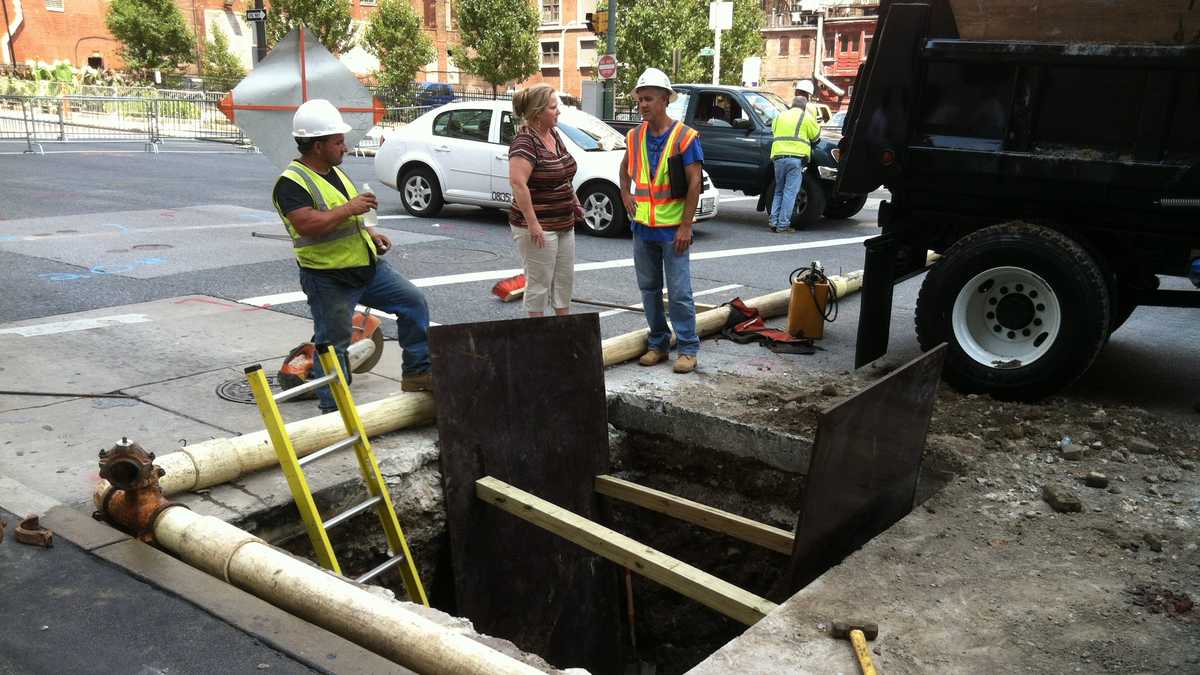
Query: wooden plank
(524,401)
(696,513)
(724,597)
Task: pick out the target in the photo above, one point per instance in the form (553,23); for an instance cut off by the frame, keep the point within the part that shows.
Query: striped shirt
(549,183)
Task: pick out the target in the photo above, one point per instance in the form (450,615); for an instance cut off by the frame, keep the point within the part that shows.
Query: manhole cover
(238,389)
(452,255)
(151,247)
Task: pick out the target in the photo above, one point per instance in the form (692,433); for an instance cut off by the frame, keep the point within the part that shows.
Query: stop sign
(607,66)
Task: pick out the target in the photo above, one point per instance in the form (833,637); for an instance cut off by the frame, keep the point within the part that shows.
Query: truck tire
(845,208)
(603,212)
(810,204)
(1024,309)
(420,192)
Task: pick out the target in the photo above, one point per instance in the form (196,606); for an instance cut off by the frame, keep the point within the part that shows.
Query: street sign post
(720,18)
(256,15)
(707,51)
(607,66)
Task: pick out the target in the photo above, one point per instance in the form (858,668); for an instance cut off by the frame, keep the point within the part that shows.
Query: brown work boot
(686,363)
(418,382)
(653,357)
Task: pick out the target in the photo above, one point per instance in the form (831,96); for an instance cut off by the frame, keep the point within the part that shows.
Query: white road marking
(711,291)
(394,217)
(495,275)
(73,325)
(725,200)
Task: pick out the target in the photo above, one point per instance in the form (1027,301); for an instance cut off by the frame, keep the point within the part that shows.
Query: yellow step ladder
(318,529)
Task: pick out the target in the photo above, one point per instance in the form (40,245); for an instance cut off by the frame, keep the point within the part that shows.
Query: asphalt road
(102,226)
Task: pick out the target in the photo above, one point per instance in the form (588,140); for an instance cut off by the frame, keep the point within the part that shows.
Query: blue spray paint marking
(101,270)
(122,228)
(8,237)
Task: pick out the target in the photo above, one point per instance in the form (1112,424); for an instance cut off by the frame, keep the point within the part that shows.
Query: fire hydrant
(134,498)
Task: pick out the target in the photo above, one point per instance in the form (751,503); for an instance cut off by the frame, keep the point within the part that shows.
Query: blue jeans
(332,306)
(789,173)
(651,259)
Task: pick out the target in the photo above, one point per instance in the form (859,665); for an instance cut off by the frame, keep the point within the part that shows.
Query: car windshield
(766,106)
(588,132)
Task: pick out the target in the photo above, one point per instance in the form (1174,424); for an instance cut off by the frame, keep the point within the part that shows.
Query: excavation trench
(744,467)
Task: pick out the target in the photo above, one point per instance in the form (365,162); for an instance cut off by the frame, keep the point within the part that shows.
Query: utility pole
(260,35)
(610,85)
(720,17)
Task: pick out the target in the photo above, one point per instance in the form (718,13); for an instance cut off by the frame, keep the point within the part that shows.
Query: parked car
(458,153)
(735,131)
(434,94)
(832,130)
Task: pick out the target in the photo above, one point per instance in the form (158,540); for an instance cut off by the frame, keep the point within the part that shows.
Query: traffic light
(591,24)
(597,22)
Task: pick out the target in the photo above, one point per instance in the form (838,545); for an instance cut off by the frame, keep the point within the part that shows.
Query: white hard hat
(653,77)
(805,86)
(318,117)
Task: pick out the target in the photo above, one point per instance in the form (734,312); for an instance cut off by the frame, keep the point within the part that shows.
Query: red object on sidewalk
(509,289)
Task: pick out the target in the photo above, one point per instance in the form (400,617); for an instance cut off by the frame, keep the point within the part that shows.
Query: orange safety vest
(655,206)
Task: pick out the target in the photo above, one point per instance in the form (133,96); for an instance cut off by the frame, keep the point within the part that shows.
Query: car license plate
(707,204)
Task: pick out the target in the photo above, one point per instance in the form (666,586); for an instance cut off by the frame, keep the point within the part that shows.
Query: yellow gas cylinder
(806,308)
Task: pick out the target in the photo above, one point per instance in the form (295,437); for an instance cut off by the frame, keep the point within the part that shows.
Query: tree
(499,40)
(651,32)
(329,21)
(395,37)
(152,34)
(219,62)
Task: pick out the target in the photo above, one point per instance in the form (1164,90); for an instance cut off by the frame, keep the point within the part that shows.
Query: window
(866,46)
(508,128)
(431,13)
(720,111)
(587,54)
(829,46)
(55,5)
(550,11)
(847,43)
(550,54)
(469,125)
(783,45)
(806,46)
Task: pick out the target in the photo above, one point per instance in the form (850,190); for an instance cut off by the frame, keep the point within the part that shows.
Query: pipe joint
(133,498)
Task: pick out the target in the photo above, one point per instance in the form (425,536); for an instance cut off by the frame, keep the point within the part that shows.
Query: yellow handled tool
(858,633)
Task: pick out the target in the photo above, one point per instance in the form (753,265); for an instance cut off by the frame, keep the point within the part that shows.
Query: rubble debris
(1153,541)
(1142,446)
(1095,479)
(1061,499)
(1073,452)
(1159,600)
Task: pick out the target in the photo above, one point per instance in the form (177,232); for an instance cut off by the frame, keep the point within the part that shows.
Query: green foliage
(329,21)
(395,37)
(219,62)
(650,32)
(499,40)
(152,33)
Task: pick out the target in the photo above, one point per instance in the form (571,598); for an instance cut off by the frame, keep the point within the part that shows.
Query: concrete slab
(80,529)
(53,449)
(155,243)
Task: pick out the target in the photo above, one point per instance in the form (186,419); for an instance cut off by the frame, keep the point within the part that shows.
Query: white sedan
(458,153)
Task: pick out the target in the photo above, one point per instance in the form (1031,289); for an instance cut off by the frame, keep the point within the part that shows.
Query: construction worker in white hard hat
(663,161)
(338,253)
(794,131)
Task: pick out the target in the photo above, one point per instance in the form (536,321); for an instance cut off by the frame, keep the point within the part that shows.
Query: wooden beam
(697,514)
(677,575)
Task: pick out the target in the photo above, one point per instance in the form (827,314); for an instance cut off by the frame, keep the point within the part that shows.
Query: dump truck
(1050,153)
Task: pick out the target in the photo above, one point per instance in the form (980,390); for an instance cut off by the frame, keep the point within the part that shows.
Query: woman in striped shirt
(546,209)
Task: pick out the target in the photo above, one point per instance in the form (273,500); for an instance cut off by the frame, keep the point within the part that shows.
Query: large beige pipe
(378,624)
(223,459)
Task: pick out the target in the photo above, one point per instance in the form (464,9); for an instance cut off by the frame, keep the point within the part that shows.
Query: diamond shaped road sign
(298,69)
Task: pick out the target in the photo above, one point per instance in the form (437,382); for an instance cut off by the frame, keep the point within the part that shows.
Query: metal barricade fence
(107,119)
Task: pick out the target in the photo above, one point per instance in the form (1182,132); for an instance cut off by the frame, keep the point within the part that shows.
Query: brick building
(823,40)
(62,30)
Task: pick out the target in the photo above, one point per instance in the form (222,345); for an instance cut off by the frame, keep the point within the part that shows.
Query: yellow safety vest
(655,206)
(347,245)
(794,131)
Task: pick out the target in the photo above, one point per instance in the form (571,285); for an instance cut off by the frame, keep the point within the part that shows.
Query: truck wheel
(420,192)
(1024,309)
(810,204)
(845,208)
(603,212)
